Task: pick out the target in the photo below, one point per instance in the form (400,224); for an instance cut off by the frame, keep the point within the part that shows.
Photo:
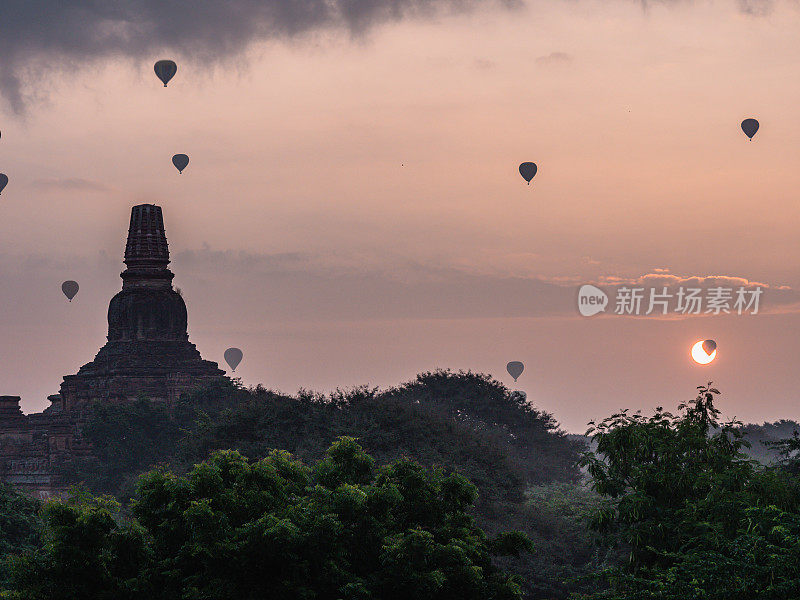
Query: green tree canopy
(19,525)
(695,517)
(463,422)
(236,529)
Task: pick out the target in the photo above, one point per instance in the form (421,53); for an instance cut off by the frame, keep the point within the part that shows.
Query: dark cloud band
(39,35)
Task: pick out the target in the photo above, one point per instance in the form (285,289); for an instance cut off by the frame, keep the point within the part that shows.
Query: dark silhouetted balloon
(750,126)
(70,288)
(515,368)
(233,356)
(180,161)
(165,70)
(709,346)
(527,170)
(3,182)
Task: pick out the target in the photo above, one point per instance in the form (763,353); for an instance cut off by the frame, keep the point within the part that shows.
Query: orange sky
(352,211)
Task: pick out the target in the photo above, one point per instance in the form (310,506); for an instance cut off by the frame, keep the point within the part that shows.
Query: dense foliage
(557,518)
(695,516)
(464,422)
(232,529)
(19,526)
(667,507)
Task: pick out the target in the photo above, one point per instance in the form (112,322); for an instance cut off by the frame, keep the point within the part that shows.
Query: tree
(275,528)
(465,421)
(89,551)
(19,526)
(695,516)
(530,437)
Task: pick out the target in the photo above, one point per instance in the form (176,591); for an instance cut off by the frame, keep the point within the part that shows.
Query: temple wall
(30,447)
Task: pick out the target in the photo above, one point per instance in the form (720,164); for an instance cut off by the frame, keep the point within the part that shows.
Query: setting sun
(700,356)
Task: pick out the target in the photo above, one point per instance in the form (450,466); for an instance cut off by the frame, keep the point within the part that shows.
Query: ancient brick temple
(148,350)
(148,353)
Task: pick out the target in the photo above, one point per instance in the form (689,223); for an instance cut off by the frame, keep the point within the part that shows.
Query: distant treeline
(468,422)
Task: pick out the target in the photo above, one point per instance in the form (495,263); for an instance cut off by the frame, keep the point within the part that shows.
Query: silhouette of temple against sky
(148,350)
(148,353)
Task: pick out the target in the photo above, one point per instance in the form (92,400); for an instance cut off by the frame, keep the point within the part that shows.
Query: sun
(699,355)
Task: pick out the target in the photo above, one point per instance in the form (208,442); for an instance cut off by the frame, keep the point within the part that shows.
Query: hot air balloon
(165,70)
(233,356)
(709,346)
(3,182)
(180,161)
(515,368)
(750,126)
(70,288)
(527,170)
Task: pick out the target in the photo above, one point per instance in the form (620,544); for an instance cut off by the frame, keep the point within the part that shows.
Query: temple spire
(146,252)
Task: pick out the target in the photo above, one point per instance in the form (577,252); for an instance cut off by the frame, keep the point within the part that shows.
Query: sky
(352,211)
